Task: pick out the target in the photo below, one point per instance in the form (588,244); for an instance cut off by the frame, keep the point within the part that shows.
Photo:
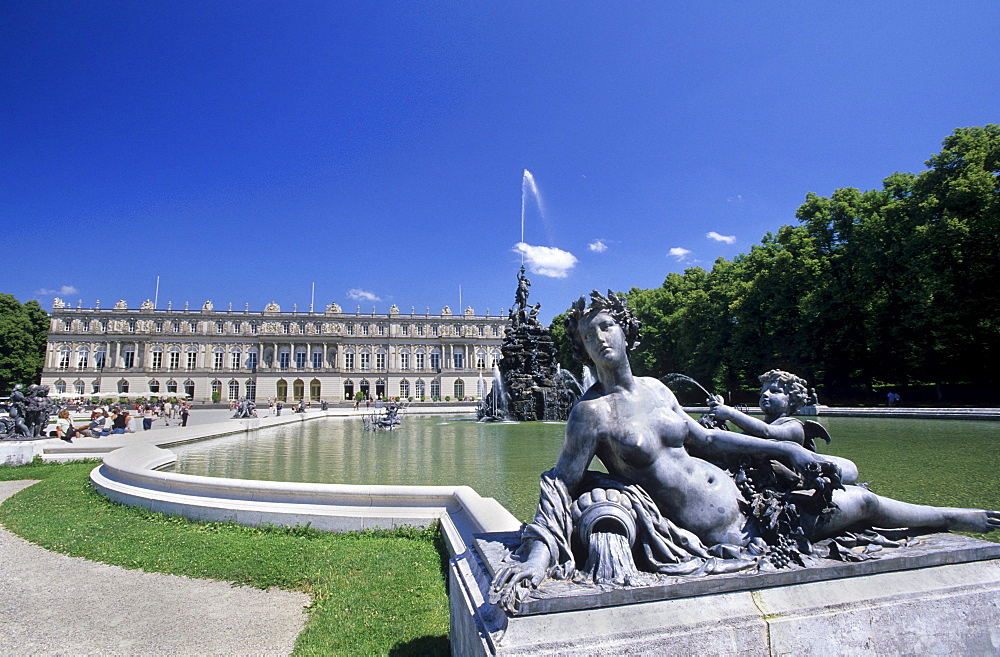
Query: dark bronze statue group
(28,413)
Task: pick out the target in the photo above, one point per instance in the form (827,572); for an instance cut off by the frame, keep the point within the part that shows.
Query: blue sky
(242,151)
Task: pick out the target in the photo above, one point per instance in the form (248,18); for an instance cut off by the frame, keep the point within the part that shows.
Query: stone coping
(130,475)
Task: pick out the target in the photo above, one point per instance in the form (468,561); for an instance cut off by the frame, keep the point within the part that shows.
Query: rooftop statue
(666,507)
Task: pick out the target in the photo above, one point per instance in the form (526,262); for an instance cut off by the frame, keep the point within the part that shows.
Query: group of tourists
(105,421)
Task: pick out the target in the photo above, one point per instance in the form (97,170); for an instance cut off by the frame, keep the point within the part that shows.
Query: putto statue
(665,507)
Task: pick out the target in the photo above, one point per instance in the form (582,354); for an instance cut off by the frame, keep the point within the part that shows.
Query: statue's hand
(720,410)
(514,579)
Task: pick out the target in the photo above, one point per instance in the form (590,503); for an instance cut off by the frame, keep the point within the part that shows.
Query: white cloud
(546,260)
(65,290)
(361,295)
(679,252)
(728,239)
(598,246)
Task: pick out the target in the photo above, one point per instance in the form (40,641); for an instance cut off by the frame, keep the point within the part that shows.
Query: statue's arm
(791,431)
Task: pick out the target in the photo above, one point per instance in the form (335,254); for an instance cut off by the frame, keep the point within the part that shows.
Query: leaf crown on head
(614,305)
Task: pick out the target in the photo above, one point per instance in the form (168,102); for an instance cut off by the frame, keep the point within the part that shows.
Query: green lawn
(372,593)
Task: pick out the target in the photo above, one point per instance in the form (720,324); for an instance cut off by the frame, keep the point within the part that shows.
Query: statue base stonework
(941,595)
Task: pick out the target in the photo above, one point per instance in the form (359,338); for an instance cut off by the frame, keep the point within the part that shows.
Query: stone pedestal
(941,598)
(19,452)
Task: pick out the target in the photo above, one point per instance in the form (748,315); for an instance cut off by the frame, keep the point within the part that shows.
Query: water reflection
(945,462)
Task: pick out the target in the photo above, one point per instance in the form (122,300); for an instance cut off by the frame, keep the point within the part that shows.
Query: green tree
(23,333)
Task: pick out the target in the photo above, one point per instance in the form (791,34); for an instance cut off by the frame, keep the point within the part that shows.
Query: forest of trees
(24,329)
(897,286)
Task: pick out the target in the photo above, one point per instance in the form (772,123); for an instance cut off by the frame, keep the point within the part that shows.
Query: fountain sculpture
(527,385)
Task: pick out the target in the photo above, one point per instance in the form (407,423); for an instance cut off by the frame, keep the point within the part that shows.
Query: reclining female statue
(660,509)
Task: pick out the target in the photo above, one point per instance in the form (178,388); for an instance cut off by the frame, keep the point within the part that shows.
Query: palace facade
(329,355)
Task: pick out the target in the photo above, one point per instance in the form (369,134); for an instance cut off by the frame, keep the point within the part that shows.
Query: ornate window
(237,327)
(234,390)
(172,386)
(459,390)
(459,358)
(436,360)
(349,360)
(419,389)
(234,359)
(298,389)
(154,385)
(122,386)
(219,359)
(128,358)
(314,390)
(300,360)
(436,388)
(131,326)
(282,390)
(220,327)
(78,387)
(366,359)
(380,359)
(99,357)
(189,388)
(192,358)
(283,359)
(404,359)
(420,359)
(156,359)
(64,358)
(480,359)
(404,388)
(251,390)
(82,358)
(317,359)
(252,360)
(158,326)
(174,360)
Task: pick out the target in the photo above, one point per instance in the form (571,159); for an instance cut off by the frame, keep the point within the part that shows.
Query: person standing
(185,411)
(147,417)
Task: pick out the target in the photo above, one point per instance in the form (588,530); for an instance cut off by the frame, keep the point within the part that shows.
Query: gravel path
(57,605)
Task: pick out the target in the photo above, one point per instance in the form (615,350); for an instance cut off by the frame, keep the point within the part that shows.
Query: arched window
(436,388)
(404,388)
(480,359)
(314,390)
(380,356)
(365,359)
(156,358)
(189,388)
(235,359)
(348,390)
(64,358)
(380,389)
(365,388)
(78,387)
(154,385)
(99,357)
(82,358)
(192,358)
(216,389)
(60,386)
(122,386)
(419,390)
(234,390)
(298,389)
(251,390)
(174,359)
(459,390)
(420,357)
(172,386)
(282,390)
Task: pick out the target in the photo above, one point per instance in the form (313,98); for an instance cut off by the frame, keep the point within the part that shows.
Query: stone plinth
(19,452)
(943,597)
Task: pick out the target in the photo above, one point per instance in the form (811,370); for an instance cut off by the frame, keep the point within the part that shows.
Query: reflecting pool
(943,462)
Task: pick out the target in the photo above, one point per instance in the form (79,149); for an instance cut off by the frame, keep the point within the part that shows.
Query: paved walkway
(57,605)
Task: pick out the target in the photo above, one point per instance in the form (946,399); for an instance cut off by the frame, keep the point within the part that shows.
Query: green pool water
(942,462)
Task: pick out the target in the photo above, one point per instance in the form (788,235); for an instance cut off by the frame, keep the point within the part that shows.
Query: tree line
(24,330)
(894,286)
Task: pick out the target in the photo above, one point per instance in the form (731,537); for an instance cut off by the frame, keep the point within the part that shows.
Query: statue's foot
(974,520)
